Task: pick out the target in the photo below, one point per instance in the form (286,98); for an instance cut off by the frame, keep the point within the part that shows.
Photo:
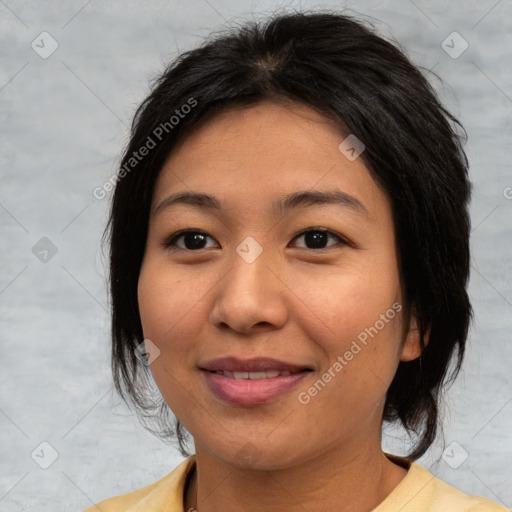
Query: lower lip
(247,392)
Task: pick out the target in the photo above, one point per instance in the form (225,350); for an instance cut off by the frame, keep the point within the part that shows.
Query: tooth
(268,374)
(257,375)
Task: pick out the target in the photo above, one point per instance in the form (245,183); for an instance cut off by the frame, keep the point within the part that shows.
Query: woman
(289,259)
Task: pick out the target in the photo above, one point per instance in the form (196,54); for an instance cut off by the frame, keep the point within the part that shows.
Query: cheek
(359,351)
(167,306)
(340,306)
(355,315)
(173,307)
(163,299)
(162,303)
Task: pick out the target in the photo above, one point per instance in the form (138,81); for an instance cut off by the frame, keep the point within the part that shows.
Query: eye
(192,240)
(317,238)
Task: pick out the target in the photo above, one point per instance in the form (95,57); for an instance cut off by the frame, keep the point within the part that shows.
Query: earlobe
(411,348)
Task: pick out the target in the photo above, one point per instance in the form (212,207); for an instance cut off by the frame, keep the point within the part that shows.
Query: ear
(411,348)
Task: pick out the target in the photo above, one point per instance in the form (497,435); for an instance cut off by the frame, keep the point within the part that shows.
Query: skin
(300,305)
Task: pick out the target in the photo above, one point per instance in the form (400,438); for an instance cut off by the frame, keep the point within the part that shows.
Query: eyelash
(171,241)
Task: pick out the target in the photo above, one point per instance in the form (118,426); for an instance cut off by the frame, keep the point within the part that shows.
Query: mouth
(255,368)
(251,382)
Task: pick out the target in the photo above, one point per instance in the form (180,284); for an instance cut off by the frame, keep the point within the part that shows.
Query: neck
(354,480)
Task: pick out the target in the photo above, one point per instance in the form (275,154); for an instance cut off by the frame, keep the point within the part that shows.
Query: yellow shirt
(419,491)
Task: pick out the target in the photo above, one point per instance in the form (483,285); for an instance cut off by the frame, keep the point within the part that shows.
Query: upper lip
(257,364)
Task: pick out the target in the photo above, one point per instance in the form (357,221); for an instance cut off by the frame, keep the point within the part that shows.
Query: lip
(256,364)
(251,392)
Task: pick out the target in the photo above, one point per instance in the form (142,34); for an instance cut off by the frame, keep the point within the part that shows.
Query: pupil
(317,238)
(195,239)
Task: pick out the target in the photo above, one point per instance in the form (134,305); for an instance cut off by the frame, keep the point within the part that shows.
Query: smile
(253,375)
(248,389)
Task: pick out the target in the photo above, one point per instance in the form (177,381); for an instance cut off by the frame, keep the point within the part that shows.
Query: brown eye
(318,238)
(192,240)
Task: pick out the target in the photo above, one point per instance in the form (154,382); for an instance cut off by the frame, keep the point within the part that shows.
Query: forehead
(254,154)
(279,128)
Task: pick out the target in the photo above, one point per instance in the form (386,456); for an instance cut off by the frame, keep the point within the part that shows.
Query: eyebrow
(302,198)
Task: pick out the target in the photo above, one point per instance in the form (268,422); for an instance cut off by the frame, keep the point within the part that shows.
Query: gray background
(64,122)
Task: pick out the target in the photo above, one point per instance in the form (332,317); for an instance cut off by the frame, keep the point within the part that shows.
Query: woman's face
(251,285)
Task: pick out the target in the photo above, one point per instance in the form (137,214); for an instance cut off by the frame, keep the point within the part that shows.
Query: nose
(250,298)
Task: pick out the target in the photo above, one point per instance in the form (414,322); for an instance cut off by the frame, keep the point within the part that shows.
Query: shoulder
(447,497)
(165,494)
(421,491)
